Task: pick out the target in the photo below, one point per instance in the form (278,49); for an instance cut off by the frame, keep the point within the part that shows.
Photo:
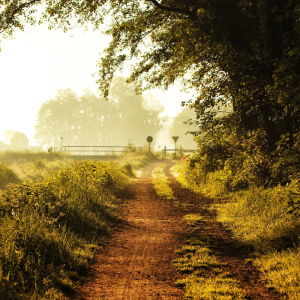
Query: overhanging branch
(172,9)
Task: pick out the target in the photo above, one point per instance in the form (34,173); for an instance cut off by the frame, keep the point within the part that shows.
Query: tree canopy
(243,52)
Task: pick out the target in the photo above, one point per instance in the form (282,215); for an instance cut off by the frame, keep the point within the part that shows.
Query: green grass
(193,219)
(267,219)
(51,228)
(7,175)
(161,184)
(282,271)
(217,288)
(211,184)
(260,218)
(29,165)
(206,281)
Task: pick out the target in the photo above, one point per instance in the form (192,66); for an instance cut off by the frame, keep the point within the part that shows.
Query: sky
(38,62)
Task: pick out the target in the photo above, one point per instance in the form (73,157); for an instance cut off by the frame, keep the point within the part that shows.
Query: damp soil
(136,262)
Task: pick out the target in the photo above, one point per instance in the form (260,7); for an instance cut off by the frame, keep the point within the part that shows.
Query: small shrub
(7,175)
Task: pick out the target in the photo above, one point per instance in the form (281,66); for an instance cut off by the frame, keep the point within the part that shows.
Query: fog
(38,63)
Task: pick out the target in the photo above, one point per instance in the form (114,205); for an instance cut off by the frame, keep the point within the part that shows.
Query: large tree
(245,52)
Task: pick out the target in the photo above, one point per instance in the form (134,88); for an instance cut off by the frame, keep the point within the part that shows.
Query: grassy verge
(161,184)
(134,161)
(51,228)
(267,219)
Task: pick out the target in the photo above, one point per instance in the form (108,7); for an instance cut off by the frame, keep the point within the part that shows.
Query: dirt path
(136,263)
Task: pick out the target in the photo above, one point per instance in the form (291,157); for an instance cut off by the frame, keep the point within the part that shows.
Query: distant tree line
(92,121)
(14,140)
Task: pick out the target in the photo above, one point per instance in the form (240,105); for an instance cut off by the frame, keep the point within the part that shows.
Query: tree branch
(9,19)
(172,9)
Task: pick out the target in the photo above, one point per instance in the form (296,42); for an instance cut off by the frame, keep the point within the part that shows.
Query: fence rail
(98,150)
(180,151)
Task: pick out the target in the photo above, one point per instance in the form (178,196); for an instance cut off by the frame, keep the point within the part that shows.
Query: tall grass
(7,175)
(50,229)
(267,219)
(29,165)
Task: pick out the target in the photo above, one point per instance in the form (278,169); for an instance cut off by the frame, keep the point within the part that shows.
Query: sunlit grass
(217,288)
(7,175)
(197,257)
(259,217)
(51,228)
(266,219)
(211,184)
(161,184)
(29,165)
(282,271)
(193,219)
(206,281)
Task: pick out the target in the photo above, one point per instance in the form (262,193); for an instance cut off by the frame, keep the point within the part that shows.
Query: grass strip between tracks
(161,184)
(206,280)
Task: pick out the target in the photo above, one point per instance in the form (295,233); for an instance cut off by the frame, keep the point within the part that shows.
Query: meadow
(54,214)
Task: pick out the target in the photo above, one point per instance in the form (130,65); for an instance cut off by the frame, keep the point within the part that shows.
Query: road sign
(149,139)
(175,138)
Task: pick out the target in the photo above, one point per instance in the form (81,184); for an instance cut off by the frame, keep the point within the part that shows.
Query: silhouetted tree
(92,121)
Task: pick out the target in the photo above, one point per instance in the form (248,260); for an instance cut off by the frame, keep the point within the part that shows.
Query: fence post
(165,149)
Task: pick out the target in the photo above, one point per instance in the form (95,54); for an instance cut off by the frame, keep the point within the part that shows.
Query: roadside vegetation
(29,165)
(51,227)
(257,196)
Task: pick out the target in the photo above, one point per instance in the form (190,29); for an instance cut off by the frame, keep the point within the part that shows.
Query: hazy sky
(38,62)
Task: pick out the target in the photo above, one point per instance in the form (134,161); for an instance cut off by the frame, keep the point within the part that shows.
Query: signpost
(175,138)
(149,140)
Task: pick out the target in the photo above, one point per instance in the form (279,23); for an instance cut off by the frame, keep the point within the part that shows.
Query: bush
(7,175)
